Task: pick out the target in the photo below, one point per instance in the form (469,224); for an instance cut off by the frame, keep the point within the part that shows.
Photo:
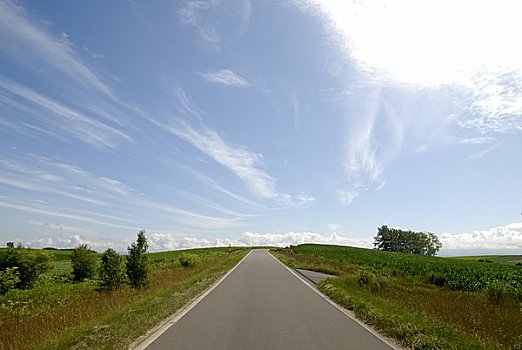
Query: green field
(499,259)
(58,314)
(421,302)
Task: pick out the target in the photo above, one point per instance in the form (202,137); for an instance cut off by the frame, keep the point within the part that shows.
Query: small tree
(30,264)
(112,274)
(83,262)
(137,262)
(8,279)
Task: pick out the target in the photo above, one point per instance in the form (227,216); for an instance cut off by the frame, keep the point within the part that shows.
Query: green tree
(8,279)
(137,262)
(84,263)
(396,240)
(30,263)
(112,273)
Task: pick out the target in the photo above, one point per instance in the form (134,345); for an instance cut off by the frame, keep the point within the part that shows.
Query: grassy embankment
(57,314)
(422,302)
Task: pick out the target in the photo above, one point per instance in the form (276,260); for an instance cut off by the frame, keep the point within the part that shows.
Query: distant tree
(396,240)
(10,244)
(9,278)
(84,264)
(30,263)
(137,262)
(112,273)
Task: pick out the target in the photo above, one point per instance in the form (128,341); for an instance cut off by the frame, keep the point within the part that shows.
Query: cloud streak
(243,163)
(225,77)
(22,39)
(69,121)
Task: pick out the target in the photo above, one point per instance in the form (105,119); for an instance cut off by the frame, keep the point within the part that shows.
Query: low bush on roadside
(84,263)
(112,271)
(188,259)
(8,279)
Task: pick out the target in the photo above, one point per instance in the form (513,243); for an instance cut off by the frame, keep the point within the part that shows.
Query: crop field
(457,274)
(59,314)
(421,302)
(499,259)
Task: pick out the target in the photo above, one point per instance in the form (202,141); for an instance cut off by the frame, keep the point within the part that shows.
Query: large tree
(397,240)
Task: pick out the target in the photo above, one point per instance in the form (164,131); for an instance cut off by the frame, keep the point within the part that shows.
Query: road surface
(262,305)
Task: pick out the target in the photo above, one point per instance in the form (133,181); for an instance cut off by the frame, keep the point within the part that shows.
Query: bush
(112,274)
(30,264)
(499,293)
(188,259)
(84,263)
(8,279)
(137,262)
(438,279)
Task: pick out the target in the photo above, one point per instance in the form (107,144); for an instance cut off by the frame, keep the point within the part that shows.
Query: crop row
(457,274)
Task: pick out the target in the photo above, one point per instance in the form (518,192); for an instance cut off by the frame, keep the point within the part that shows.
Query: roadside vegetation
(422,302)
(75,306)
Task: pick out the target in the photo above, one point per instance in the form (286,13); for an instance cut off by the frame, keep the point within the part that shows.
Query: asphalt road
(262,305)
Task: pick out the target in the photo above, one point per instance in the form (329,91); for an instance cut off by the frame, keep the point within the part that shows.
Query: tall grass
(57,315)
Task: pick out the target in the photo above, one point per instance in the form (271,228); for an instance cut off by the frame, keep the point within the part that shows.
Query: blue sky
(267,122)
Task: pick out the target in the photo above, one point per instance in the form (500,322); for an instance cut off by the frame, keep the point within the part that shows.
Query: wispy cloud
(195,220)
(42,175)
(201,16)
(225,77)
(193,14)
(432,56)
(59,213)
(21,38)
(70,122)
(242,162)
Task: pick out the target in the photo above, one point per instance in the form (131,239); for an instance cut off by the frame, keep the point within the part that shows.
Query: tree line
(21,266)
(397,240)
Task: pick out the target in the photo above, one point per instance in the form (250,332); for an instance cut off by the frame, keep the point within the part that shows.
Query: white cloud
(434,44)
(239,160)
(502,237)
(24,40)
(68,121)
(225,77)
(298,201)
(58,213)
(175,240)
(296,238)
(201,16)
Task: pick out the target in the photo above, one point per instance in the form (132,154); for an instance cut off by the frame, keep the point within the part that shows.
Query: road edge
(384,339)
(144,341)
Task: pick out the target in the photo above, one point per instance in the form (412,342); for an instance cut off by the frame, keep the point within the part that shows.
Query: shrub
(188,259)
(437,279)
(112,274)
(137,262)
(8,279)
(30,264)
(83,262)
(499,293)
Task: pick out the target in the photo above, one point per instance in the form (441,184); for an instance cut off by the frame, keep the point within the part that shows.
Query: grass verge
(417,314)
(57,315)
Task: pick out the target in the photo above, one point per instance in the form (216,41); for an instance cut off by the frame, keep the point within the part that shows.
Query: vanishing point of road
(262,305)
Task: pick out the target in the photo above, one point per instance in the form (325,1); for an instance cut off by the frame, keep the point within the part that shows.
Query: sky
(216,122)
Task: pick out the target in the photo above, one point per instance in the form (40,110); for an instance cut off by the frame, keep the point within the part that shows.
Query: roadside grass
(414,312)
(59,315)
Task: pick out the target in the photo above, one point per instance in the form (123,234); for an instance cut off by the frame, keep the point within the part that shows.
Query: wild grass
(59,315)
(415,311)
